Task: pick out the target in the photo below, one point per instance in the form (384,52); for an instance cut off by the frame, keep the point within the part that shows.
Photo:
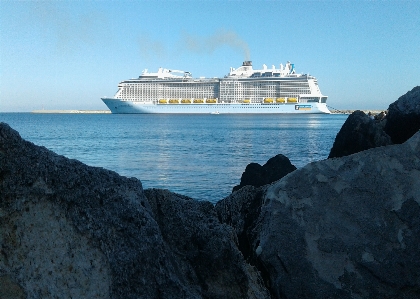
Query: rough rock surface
(403,119)
(257,175)
(358,133)
(241,210)
(68,230)
(192,229)
(339,228)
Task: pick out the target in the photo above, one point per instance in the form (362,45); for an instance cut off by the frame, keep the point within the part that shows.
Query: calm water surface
(202,156)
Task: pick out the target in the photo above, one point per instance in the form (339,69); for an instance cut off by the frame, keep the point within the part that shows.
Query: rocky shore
(346,111)
(344,227)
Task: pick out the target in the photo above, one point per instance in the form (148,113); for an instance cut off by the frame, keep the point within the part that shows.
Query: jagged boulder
(68,230)
(257,175)
(241,210)
(358,133)
(338,228)
(361,132)
(191,227)
(403,119)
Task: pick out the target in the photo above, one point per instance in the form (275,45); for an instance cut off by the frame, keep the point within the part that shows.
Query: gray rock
(257,175)
(10,289)
(403,119)
(209,250)
(358,133)
(68,230)
(339,228)
(396,125)
(241,210)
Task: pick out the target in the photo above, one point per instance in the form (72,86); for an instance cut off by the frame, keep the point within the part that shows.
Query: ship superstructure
(243,90)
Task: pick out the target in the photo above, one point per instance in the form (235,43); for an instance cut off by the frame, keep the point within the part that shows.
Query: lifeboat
(211,101)
(268,100)
(162,101)
(173,101)
(292,100)
(198,101)
(186,101)
(280,100)
(247,101)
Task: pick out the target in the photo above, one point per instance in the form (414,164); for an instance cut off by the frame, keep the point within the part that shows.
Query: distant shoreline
(374,112)
(72,111)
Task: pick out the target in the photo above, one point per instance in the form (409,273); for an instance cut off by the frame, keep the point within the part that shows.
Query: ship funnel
(247,63)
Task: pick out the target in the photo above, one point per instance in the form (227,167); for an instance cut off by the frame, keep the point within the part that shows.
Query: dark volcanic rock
(241,211)
(360,132)
(68,230)
(212,259)
(403,119)
(257,175)
(338,228)
(357,134)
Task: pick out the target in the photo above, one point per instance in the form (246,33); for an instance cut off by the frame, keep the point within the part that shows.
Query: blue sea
(201,156)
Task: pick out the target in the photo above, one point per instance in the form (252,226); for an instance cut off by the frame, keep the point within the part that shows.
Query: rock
(257,175)
(403,119)
(338,228)
(396,125)
(211,256)
(241,210)
(68,230)
(9,289)
(358,133)
(380,116)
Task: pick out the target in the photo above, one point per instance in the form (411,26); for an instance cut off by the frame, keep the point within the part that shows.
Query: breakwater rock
(358,133)
(339,228)
(403,119)
(394,126)
(257,175)
(68,230)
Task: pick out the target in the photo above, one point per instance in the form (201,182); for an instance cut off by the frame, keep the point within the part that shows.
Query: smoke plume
(150,47)
(211,43)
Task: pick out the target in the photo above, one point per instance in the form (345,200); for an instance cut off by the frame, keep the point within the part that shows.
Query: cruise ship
(243,90)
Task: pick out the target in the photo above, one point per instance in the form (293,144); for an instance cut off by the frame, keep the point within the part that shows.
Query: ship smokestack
(247,63)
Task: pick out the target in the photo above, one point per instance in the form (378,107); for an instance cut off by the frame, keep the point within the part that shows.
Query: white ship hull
(132,107)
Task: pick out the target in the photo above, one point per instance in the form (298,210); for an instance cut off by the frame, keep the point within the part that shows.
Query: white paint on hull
(127,107)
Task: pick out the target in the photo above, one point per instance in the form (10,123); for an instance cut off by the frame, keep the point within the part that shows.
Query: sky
(69,54)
